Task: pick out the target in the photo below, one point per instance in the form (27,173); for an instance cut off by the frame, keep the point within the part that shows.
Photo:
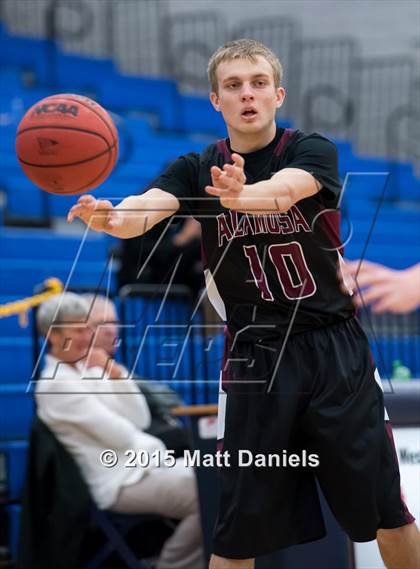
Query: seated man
(103,320)
(83,399)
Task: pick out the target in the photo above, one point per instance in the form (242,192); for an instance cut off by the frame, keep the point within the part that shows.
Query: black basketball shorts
(289,414)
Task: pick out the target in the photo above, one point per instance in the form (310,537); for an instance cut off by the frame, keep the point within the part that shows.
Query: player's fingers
(386,304)
(360,262)
(86,200)
(220,181)
(98,216)
(114,219)
(88,208)
(103,205)
(218,177)
(352,267)
(371,278)
(372,294)
(85,206)
(235,172)
(232,184)
(225,182)
(238,160)
(76,211)
(368,265)
(213,191)
(372,271)
(358,267)
(220,192)
(216,171)
(71,214)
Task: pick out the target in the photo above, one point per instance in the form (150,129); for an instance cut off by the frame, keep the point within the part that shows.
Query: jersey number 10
(295,278)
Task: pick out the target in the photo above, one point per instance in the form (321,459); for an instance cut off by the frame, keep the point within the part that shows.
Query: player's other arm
(130,218)
(275,195)
(280,192)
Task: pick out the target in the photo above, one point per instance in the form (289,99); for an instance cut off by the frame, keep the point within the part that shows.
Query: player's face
(70,343)
(247,96)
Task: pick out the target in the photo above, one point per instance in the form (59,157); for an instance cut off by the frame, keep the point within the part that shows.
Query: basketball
(67,144)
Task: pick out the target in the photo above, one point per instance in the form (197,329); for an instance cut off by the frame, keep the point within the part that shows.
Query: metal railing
(190,39)
(381,86)
(165,340)
(393,337)
(127,31)
(323,88)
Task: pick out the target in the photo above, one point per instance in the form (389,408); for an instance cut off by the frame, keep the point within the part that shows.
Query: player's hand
(228,183)
(387,290)
(99,215)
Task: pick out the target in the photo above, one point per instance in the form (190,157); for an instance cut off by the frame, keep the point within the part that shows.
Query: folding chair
(116,527)
(55,499)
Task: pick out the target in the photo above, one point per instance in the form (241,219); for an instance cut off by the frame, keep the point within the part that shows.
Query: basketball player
(298,373)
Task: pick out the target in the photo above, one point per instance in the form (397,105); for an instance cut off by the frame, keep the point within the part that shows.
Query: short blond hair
(243,49)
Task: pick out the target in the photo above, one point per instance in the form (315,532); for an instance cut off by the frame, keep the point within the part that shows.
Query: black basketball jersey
(268,273)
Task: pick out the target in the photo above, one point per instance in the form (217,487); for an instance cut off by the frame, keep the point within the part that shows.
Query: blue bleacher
(74,73)
(37,244)
(10,327)
(21,276)
(15,453)
(374,179)
(23,197)
(15,354)
(11,77)
(8,138)
(20,100)
(9,163)
(16,411)
(198,115)
(27,53)
(14,512)
(158,96)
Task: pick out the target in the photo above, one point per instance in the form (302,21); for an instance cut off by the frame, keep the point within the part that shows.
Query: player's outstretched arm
(130,218)
(275,195)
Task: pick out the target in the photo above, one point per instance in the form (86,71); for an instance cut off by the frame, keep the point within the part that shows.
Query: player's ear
(214,99)
(280,96)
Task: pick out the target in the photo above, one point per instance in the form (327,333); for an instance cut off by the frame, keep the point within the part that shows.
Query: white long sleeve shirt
(89,416)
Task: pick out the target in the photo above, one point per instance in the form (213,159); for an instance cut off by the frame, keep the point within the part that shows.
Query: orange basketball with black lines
(67,144)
